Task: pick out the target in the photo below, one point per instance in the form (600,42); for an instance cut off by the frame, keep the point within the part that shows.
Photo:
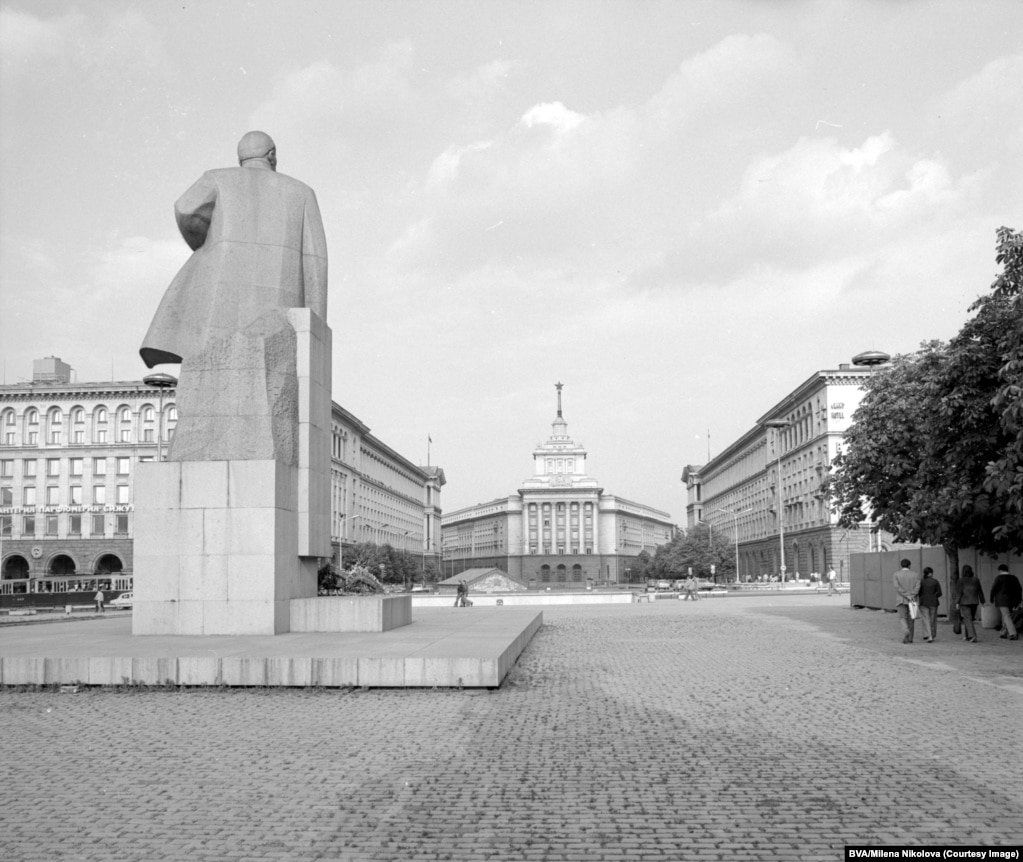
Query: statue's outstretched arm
(194,211)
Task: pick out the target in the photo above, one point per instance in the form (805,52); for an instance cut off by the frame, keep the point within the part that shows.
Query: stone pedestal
(217,548)
(223,544)
(351,613)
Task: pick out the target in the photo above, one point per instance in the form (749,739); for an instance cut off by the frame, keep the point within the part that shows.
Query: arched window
(561,573)
(577,572)
(100,416)
(148,413)
(7,427)
(545,574)
(124,424)
(31,427)
(54,421)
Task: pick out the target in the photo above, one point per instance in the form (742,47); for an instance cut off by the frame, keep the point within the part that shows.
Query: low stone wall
(521,599)
(350,613)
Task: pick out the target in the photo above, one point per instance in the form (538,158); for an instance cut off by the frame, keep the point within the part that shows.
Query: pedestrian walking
(98,599)
(930,594)
(691,590)
(1006,595)
(907,588)
(968,594)
(831,582)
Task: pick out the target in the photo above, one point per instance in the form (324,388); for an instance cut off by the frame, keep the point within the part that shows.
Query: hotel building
(786,455)
(68,453)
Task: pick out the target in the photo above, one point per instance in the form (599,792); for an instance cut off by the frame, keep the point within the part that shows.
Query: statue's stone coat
(258,244)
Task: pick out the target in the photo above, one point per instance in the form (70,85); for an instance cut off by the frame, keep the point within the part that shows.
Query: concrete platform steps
(451,647)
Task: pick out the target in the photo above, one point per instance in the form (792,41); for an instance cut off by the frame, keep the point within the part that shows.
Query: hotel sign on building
(792,446)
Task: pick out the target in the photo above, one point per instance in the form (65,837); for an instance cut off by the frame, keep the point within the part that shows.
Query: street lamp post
(160,382)
(735,528)
(778,425)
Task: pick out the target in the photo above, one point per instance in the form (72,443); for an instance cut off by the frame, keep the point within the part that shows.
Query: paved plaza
(780,727)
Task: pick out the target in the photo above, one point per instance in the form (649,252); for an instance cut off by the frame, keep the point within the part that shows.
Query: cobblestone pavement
(761,728)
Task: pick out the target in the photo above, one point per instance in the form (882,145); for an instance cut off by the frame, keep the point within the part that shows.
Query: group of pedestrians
(918,598)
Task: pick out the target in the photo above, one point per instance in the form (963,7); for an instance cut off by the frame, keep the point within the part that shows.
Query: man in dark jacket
(907,590)
(930,594)
(1006,595)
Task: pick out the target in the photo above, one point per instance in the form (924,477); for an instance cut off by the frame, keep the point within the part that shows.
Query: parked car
(420,588)
(122,601)
(663,585)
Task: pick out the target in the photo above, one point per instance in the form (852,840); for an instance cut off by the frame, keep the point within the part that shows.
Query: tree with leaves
(933,454)
(694,548)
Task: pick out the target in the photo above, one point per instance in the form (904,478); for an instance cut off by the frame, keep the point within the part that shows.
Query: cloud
(371,108)
(482,84)
(593,185)
(24,36)
(101,46)
(553,114)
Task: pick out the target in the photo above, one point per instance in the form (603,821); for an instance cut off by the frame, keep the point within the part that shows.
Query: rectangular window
(52,495)
(122,494)
(6,496)
(101,435)
(8,438)
(28,525)
(99,494)
(53,466)
(7,468)
(75,498)
(97,525)
(123,465)
(126,435)
(5,525)
(54,437)
(33,438)
(78,437)
(75,466)
(28,495)
(28,468)
(147,435)
(99,466)
(51,525)
(74,525)
(122,525)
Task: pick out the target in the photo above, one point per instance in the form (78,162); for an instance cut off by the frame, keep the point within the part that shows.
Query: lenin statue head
(257,146)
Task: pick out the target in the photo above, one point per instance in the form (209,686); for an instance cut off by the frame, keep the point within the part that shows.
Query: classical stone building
(736,492)
(559,529)
(68,453)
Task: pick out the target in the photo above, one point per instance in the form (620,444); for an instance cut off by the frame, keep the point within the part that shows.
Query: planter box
(350,613)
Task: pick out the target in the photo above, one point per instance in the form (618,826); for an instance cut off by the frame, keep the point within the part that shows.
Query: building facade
(788,455)
(559,529)
(68,456)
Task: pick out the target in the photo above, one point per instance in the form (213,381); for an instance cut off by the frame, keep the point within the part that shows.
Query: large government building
(559,529)
(784,457)
(68,453)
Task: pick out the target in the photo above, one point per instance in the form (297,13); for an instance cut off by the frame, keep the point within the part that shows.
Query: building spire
(559,386)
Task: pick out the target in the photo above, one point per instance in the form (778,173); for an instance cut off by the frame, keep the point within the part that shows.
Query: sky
(679,210)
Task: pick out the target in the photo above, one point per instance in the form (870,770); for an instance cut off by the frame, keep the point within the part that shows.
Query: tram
(55,591)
